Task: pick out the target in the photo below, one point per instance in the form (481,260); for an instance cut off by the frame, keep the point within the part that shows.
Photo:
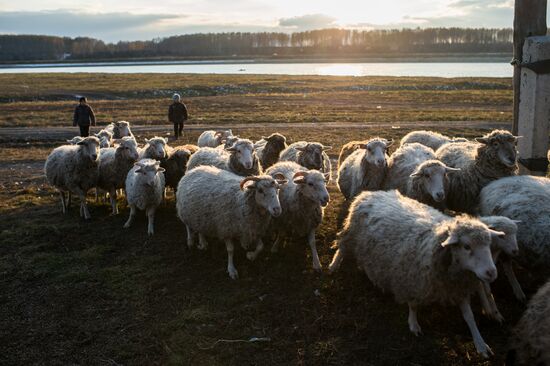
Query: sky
(146,19)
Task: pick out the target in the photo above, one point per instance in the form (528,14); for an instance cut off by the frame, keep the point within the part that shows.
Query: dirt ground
(92,293)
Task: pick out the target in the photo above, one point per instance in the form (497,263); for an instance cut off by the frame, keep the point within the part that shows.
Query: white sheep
(219,204)
(105,138)
(114,165)
(495,158)
(413,170)
(418,254)
(240,158)
(311,155)
(144,190)
(211,138)
(502,249)
(364,169)
(302,201)
(526,199)
(119,129)
(74,169)
(530,341)
(431,139)
(75,140)
(154,148)
(458,155)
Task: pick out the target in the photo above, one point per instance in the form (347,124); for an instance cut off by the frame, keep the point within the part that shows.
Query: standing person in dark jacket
(177,114)
(84,117)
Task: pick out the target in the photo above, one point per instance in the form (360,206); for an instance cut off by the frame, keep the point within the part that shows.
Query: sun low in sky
(145,19)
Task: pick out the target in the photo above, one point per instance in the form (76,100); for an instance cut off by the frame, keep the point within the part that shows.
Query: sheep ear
(300,148)
(452,239)
(147,141)
(249,182)
(81,142)
(497,234)
(517,221)
(361,146)
(389,143)
(450,170)
(327,148)
(231,148)
(299,180)
(160,169)
(416,174)
(482,140)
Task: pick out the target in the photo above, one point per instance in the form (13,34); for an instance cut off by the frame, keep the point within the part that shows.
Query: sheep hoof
(251,256)
(487,352)
(521,297)
(498,317)
(233,273)
(150,232)
(126,225)
(416,330)
(274,249)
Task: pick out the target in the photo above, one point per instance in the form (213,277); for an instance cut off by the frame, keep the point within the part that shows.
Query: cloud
(309,21)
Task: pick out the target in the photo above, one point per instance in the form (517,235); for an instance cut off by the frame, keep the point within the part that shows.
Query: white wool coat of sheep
(222,205)
(74,169)
(240,158)
(302,201)
(364,169)
(213,138)
(144,190)
(530,341)
(311,155)
(154,148)
(458,155)
(418,254)
(119,129)
(525,199)
(496,157)
(431,139)
(114,165)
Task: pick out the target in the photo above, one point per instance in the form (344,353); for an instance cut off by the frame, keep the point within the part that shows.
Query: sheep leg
(314,255)
(190,237)
(230,266)
(259,247)
(69,197)
(113,196)
(131,218)
(63,207)
(511,276)
(276,243)
(83,206)
(336,261)
(468,316)
(488,302)
(413,320)
(151,220)
(203,244)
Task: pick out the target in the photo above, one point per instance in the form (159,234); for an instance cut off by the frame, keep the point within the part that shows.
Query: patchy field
(75,292)
(48,100)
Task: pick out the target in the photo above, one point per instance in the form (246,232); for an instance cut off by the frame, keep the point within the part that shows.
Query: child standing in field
(177,114)
(84,117)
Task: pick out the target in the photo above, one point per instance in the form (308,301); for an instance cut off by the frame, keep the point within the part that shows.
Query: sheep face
(104,133)
(123,128)
(180,157)
(376,152)
(266,192)
(89,148)
(277,142)
(75,140)
(149,169)
(508,243)
(501,146)
(311,155)
(157,147)
(433,177)
(471,250)
(313,185)
(244,152)
(223,136)
(128,146)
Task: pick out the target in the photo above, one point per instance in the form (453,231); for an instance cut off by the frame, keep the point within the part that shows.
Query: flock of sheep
(427,223)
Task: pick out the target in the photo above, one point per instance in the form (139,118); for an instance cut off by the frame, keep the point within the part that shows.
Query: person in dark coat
(177,114)
(84,117)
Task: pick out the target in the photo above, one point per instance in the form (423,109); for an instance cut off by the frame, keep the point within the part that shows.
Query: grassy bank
(49,99)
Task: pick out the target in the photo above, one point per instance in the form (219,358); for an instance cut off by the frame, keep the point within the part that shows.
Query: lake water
(434,69)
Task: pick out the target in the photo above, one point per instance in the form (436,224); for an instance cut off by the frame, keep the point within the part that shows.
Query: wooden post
(529,20)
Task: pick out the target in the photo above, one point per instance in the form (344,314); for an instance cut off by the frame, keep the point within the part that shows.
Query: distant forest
(325,42)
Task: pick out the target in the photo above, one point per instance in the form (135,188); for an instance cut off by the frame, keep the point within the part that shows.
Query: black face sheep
(364,169)
(269,149)
(311,155)
(431,139)
(240,158)
(144,190)
(219,204)
(175,165)
(119,129)
(212,138)
(530,341)
(302,200)
(495,158)
(418,254)
(526,199)
(114,165)
(502,249)
(154,148)
(74,169)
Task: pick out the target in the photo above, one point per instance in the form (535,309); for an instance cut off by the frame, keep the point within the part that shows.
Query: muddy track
(14,134)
